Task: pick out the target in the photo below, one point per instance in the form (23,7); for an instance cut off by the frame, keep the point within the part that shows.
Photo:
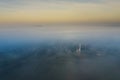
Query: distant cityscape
(50,60)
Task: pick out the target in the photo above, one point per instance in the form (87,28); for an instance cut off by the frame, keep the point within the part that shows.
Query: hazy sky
(57,11)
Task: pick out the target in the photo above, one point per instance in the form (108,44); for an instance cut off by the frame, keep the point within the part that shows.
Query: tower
(78,51)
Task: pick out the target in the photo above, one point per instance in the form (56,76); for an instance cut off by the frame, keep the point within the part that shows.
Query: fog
(59,52)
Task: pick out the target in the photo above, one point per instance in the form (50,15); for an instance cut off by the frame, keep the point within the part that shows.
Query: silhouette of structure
(78,51)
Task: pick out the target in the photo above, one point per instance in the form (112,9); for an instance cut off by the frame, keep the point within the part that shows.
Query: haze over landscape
(59,40)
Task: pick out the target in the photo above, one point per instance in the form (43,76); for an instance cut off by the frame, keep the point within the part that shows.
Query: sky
(59,11)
